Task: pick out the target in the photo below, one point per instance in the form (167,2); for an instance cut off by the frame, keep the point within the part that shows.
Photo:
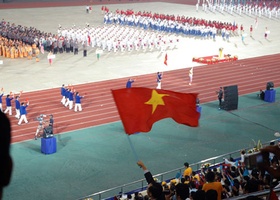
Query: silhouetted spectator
(6,165)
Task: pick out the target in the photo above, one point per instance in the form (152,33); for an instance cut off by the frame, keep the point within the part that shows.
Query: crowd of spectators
(229,179)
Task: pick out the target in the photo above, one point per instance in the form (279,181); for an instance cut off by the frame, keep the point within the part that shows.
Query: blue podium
(48,145)
(198,109)
(269,96)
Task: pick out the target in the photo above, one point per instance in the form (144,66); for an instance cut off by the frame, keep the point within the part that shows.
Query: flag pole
(133,149)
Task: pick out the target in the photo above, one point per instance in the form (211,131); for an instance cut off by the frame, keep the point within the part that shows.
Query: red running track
(99,108)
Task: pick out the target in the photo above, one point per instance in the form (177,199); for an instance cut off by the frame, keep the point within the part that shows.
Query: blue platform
(269,96)
(48,145)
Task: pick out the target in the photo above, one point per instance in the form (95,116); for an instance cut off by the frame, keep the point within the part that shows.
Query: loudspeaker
(269,85)
(230,98)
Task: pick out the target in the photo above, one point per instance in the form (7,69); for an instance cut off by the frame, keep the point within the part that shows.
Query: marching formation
(20,107)
(163,23)
(71,98)
(117,38)
(268,9)
(128,30)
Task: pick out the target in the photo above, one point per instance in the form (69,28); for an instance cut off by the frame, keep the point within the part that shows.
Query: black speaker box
(48,132)
(269,85)
(230,98)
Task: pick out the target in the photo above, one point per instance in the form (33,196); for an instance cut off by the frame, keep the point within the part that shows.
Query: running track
(99,108)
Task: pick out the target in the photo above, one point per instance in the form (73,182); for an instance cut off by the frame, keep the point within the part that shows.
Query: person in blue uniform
(17,106)
(71,99)
(9,98)
(23,112)
(159,79)
(63,94)
(1,95)
(78,105)
(67,91)
(129,83)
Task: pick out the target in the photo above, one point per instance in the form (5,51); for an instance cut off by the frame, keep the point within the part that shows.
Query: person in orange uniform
(188,170)
(8,53)
(20,51)
(212,184)
(12,52)
(25,51)
(4,50)
(33,47)
(16,52)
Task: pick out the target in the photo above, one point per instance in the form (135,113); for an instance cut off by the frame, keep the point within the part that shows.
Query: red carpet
(215,59)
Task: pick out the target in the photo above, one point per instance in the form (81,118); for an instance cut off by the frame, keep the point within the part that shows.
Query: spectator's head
(6,165)
(198,195)
(154,191)
(227,182)
(192,184)
(138,196)
(255,173)
(233,168)
(211,195)
(274,161)
(186,164)
(182,191)
(183,179)
(210,176)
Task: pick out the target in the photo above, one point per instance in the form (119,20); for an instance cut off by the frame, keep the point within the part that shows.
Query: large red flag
(140,108)
(165,59)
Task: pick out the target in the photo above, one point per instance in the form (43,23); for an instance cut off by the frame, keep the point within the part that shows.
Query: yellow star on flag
(156,99)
